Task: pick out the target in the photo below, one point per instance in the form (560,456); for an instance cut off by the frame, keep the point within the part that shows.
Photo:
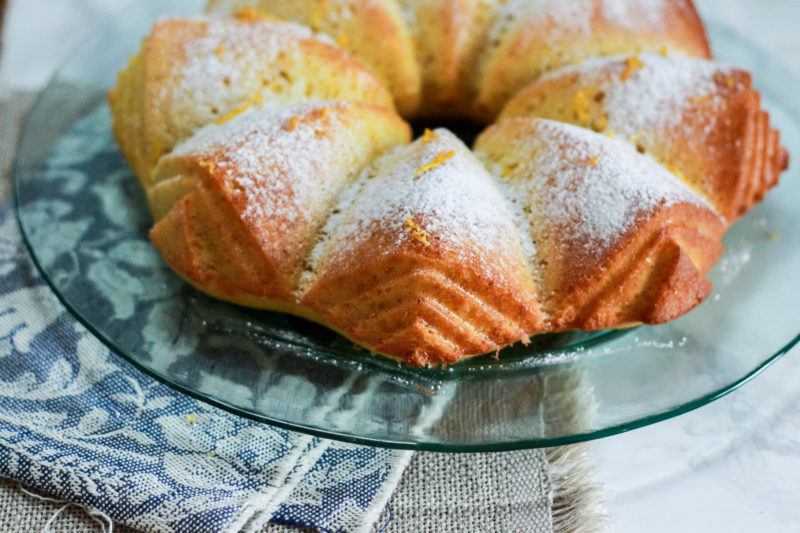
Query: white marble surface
(731,466)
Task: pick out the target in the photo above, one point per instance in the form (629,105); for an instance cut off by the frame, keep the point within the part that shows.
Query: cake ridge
(429,196)
(699,119)
(280,169)
(232,65)
(640,185)
(657,92)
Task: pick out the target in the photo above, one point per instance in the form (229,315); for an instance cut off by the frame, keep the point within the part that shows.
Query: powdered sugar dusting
(655,95)
(590,190)
(575,17)
(456,203)
(629,14)
(326,15)
(216,63)
(278,164)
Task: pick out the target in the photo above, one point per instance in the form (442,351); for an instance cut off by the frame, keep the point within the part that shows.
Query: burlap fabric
(535,490)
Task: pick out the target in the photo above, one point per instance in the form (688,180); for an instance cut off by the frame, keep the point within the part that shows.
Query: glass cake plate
(85,222)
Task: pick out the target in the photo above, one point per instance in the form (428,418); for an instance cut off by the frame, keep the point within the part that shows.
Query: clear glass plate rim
(787,81)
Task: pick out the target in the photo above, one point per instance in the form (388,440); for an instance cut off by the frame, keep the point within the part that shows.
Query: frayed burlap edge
(578,502)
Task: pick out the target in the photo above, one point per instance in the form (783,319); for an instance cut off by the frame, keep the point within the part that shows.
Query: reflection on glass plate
(85,221)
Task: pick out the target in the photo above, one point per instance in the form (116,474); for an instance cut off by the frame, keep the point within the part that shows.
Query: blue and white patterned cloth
(78,422)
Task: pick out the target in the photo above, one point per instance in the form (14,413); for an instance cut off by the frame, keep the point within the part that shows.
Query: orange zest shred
(698,99)
(593,160)
(343,40)
(610,134)
(675,170)
(580,103)
(721,79)
(426,391)
(209,165)
(191,418)
(600,124)
(509,168)
(632,64)
(251,14)
(664,51)
(437,161)
(291,124)
(219,51)
(417,232)
(429,136)
(256,99)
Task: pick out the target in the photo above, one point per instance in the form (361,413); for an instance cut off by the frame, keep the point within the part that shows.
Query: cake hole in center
(464,130)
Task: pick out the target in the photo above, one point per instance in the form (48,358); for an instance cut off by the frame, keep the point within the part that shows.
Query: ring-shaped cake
(271,139)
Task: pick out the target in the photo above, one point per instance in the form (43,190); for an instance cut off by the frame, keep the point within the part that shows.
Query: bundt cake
(280,174)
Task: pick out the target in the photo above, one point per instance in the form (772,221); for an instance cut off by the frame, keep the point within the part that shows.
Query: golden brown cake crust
(425,306)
